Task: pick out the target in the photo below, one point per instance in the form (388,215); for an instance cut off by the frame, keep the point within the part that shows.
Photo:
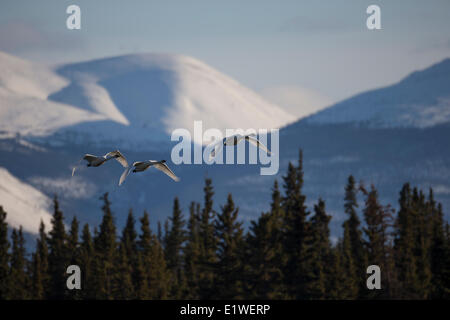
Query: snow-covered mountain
(25,206)
(420,100)
(126,100)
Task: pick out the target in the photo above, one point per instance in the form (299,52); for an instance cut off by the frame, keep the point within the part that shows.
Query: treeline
(285,254)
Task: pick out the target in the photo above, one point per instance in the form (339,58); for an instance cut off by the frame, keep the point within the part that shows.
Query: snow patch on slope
(24,107)
(25,206)
(29,79)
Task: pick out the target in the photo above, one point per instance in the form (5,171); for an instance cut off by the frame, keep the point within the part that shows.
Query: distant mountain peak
(422,99)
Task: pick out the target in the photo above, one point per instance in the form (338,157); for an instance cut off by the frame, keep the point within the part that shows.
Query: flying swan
(234,140)
(140,166)
(96,161)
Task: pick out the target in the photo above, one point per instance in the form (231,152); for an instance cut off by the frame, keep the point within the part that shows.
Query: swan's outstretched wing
(119,157)
(164,168)
(78,163)
(257,143)
(124,175)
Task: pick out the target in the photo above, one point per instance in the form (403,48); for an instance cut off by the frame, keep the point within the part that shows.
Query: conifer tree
(264,254)
(37,285)
(229,265)
(129,236)
(208,243)
(86,260)
(354,233)
(18,278)
(192,252)
(404,245)
(127,259)
(4,255)
(106,250)
(58,254)
(152,269)
(348,284)
(377,220)
(72,241)
(42,251)
(296,228)
(341,286)
(173,251)
(39,266)
(423,242)
(437,250)
(319,252)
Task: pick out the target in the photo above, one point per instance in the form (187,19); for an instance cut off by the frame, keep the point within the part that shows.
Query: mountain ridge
(421,99)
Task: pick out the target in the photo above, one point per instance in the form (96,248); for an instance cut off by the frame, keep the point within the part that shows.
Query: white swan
(140,166)
(95,161)
(234,140)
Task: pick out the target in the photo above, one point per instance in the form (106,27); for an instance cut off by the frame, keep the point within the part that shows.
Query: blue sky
(320,49)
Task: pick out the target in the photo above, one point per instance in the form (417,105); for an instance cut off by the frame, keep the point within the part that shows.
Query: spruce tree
(348,284)
(106,250)
(377,220)
(296,228)
(404,246)
(4,255)
(152,267)
(319,253)
(354,233)
(173,251)
(423,242)
(39,267)
(264,254)
(86,260)
(437,250)
(42,251)
(18,278)
(192,252)
(37,285)
(129,236)
(72,241)
(208,243)
(229,266)
(127,260)
(58,254)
